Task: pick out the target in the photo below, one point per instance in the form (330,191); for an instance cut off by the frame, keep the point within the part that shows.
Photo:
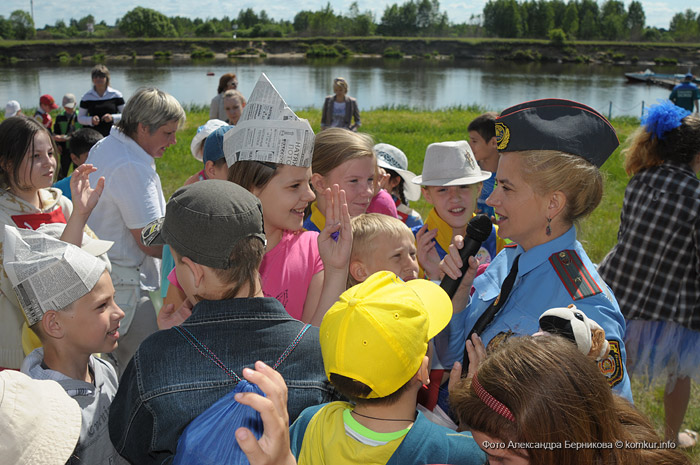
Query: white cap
(202,133)
(39,422)
(450,164)
(393,158)
(12,108)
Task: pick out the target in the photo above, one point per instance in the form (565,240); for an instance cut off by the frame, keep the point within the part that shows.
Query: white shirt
(132,198)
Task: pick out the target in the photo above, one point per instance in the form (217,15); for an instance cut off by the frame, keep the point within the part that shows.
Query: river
(375,82)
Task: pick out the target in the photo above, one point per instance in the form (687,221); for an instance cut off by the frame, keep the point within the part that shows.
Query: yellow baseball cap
(378,332)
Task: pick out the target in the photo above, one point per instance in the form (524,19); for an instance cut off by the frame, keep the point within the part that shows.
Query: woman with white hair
(133,197)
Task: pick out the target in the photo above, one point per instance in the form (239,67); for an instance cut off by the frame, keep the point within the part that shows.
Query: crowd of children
(308,274)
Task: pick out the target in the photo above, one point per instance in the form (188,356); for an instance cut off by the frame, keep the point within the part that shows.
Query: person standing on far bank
(686,94)
(340,109)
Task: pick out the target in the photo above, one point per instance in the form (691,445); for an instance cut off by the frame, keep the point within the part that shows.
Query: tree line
(538,19)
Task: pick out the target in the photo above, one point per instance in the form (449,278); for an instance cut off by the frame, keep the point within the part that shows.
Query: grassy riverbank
(412,131)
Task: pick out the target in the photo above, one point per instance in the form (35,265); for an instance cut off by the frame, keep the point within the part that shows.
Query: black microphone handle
(471,247)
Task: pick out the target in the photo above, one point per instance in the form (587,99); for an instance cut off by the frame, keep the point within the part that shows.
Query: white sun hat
(450,164)
(393,158)
(202,133)
(39,422)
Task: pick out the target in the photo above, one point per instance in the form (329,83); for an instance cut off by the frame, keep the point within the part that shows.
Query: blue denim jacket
(168,382)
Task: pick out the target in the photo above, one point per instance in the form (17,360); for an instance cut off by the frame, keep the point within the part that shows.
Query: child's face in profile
(482,149)
(79,159)
(454,204)
(395,254)
(91,324)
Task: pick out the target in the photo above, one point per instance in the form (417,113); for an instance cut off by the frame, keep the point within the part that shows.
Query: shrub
(557,37)
(235,53)
(98,57)
(391,52)
(201,53)
(159,55)
(63,57)
(322,51)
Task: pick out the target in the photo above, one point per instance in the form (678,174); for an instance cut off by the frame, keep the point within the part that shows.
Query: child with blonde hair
(380,242)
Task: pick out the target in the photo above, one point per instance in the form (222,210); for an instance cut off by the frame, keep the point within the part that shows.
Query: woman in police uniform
(548,178)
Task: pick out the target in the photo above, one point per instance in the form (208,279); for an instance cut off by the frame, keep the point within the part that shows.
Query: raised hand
(428,257)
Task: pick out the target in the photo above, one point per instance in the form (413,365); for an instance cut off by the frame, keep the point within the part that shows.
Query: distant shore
(644,54)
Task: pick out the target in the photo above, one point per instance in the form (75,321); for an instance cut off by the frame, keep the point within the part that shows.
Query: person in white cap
(12,109)
(451,182)
(394,162)
(66,123)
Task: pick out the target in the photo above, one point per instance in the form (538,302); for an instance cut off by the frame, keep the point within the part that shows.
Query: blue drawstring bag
(210,439)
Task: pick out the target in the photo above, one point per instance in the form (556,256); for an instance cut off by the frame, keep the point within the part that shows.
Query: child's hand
(428,257)
(84,197)
(382,180)
(335,241)
(273,446)
(170,316)
(476,352)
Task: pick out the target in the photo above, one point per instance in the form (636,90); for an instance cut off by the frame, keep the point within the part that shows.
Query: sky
(658,12)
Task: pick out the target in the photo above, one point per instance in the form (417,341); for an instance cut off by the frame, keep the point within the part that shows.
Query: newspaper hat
(269,131)
(202,133)
(39,422)
(450,164)
(46,273)
(378,331)
(95,247)
(393,158)
(556,124)
(12,108)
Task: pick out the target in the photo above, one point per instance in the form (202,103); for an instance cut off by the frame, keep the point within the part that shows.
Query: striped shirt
(654,270)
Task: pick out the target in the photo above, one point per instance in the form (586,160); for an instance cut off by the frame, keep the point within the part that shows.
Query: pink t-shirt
(287,269)
(383,203)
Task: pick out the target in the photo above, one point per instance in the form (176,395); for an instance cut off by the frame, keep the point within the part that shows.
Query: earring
(549,229)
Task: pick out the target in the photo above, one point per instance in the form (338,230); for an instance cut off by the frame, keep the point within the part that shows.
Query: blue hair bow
(662,118)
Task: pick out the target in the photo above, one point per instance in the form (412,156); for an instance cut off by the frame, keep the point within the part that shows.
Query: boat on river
(649,77)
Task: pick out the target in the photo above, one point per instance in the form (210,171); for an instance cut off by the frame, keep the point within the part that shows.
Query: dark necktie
(490,313)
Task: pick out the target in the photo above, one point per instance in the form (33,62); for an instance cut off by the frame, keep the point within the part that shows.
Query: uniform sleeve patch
(573,274)
(611,367)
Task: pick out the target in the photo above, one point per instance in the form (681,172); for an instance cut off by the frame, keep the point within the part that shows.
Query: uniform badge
(611,367)
(502,136)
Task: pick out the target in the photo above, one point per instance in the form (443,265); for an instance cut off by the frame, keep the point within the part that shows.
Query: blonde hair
(550,170)
(335,146)
(365,230)
(342,83)
(681,144)
(152,108)
(233,93)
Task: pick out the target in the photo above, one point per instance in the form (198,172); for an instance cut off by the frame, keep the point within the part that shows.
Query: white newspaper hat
(39,422)
(269,131)
(46,273)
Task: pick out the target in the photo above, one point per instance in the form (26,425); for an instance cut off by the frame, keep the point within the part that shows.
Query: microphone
(478,230)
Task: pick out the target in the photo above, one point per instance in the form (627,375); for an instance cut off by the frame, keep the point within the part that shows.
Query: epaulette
(574,275)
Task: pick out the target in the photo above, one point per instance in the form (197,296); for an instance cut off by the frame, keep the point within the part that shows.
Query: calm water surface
(374,82)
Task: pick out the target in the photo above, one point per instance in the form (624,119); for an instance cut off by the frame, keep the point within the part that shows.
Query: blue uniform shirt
(538,288)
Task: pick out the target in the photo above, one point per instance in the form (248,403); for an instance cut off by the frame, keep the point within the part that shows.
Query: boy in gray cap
(215,230)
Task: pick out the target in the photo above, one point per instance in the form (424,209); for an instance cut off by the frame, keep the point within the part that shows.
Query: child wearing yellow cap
(374,343)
